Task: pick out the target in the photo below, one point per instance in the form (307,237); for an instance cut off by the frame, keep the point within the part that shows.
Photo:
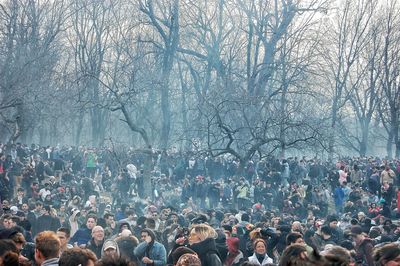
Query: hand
(147,260)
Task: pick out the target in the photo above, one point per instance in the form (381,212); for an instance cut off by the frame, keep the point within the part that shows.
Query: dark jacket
(95,248)
(47,222)
(207,252)
(364,251)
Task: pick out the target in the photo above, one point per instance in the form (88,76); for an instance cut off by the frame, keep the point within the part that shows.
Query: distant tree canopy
(241,77)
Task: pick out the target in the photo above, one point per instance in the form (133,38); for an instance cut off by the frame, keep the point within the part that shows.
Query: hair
(180,251)
(18,238)
(255,242)
(386,253)
(337,255)
(48,244)
(8,252)
(204,231)
(325,229)
(65,230)
(77,256)
(292,237)
(91,216)
(292,255)
(113,261)
(150,233)
(189,260)
(107,215)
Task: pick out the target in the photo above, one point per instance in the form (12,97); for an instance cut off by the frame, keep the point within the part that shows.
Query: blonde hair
(204,231)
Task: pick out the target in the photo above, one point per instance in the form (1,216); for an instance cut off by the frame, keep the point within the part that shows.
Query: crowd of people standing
(87,206)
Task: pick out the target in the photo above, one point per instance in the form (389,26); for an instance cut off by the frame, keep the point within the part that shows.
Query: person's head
(177,253)
(8,222)
(260,246)
(109,218)
(294,238)
(233,245)
(200,232)
(295,254)
(110,249)
(189,260)
(357,233)
(98,233)
(91,221)
(19,240)
(47,246)
(332,221)
(336,255)
(387,255)
(296,226)
(77,256)
(8,253)
(147,233)
(64,235)
(25,207)
(326,231)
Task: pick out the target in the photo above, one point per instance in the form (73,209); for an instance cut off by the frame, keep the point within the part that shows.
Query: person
(8,253)
(149,251)
(96,243)
(387,255)
(260,256)
(364,246)
(77,256)
(202,241)
(189,260)
(47,249)
(46,221)
(235,256)
(295,254)
(64,236)
(83,235)
(110,249)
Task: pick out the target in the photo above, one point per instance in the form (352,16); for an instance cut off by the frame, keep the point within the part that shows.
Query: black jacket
(95,248)
(207,252)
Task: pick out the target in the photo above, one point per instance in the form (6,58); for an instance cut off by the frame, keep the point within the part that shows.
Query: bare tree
(347,36)
(389,108)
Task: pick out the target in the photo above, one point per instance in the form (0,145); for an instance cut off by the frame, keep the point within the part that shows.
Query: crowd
(86,206)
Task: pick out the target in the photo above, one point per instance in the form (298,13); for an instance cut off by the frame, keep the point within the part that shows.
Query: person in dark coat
(96,243)
(47,222)
(202,241)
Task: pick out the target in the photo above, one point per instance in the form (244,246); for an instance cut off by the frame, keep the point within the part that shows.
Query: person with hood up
(235,256)
(202,241)
(150,252)
(260,256)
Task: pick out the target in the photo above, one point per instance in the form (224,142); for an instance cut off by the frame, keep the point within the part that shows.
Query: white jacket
(267,260)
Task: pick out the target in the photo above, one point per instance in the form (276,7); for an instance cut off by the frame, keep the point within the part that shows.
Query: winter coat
(127,246)
(207,252)
(267,260)
(364,251)
(97,249)
(156,252)
(81,237)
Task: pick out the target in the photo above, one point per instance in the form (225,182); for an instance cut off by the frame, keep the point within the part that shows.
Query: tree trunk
(389,145)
